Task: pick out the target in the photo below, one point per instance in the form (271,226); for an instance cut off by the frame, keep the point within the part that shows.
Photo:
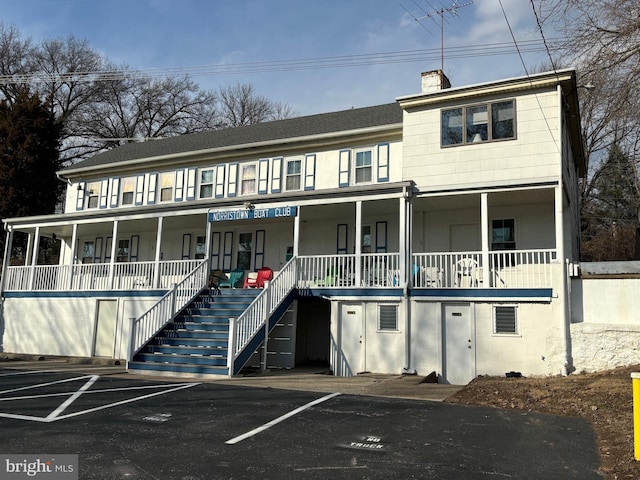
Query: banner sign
(252,214)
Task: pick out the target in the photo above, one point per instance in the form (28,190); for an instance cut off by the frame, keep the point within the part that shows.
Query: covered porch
(397,238)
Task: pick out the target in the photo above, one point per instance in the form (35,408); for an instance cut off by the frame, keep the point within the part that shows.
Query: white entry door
(458,356)
(105,328)
(350,341)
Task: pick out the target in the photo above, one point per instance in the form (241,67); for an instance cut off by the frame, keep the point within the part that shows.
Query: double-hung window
(485,122)
(293,174)
(248,179)
(128,190)
(93,192)
(363,166)
(166,186)
(206,183)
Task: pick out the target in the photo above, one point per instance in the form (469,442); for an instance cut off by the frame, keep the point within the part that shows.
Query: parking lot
(136,428)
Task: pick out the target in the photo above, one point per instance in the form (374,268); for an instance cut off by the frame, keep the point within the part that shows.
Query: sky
(363,52)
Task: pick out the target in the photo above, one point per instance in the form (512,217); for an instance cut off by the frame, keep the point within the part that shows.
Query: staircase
(196,343)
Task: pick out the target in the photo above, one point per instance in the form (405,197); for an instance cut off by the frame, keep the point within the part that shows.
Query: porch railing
(98,276)
(506,269)
(244,328)
(159,315)
(376,270)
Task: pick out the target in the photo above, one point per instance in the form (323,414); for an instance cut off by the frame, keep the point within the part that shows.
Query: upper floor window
(478,123)
(128,190)
(248,179)
(166,186)
(363,166)
(206,183)
(93,191)
(293,174)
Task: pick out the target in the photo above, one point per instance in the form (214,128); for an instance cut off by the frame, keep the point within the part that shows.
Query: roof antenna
(452,10)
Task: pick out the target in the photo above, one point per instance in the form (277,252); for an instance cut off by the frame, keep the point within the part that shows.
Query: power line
(345,61)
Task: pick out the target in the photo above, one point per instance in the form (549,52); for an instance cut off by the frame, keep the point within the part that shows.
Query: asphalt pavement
(260,426)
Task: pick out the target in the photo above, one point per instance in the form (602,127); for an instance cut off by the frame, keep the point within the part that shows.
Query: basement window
(388,317)
(505,320)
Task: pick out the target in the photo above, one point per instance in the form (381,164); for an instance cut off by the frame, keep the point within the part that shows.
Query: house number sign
(252,214)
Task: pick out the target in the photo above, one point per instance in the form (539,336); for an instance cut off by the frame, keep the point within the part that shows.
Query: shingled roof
(325,123)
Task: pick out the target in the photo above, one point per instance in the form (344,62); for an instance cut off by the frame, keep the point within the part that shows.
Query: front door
(458,356)
(350,342)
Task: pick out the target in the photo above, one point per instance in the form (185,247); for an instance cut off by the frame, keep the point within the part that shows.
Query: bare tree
(602,39)
(100,105)
(240,105)
(15,55)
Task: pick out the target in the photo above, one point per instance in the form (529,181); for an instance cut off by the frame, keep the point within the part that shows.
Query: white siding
(533,156)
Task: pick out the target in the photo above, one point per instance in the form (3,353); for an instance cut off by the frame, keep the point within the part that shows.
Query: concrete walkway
(300,379)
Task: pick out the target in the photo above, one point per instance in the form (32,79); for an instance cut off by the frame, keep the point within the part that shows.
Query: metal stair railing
(244,328)
(145,327)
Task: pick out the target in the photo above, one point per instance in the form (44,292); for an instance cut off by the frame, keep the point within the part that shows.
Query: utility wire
(515,42)
(346,61)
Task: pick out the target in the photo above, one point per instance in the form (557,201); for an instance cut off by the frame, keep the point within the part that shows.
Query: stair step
(169,359)
(186,350)
(196,370)
(203,327)
(220,342)
(195,333)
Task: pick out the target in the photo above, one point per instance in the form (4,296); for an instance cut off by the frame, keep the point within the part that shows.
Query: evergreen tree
(610,217)
(29,158)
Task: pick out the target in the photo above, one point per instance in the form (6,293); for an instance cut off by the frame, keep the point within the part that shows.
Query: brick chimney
(434,81)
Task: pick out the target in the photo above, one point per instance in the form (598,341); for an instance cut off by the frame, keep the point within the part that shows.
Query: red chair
(257,281)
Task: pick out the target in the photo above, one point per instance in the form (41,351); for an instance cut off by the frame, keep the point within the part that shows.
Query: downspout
(560,256)
(406,232)
(7,255)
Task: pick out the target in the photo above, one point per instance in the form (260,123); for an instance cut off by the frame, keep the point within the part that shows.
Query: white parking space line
(73,395)
(91,392)
(280,419)
(62,407)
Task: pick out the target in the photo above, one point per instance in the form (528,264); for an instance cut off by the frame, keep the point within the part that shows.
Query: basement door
(105,328)
(458,355)
(350,354)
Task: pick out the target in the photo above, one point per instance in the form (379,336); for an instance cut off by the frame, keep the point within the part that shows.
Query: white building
(436,233)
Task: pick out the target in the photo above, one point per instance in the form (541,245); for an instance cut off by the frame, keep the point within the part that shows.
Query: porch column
(8,243)
(28,250)
(296,233)
(156,267)
(114,245)
(484,225)
(72,255)
(34,256)
(402,242)
(207,248)
(562,288)
(358,252)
